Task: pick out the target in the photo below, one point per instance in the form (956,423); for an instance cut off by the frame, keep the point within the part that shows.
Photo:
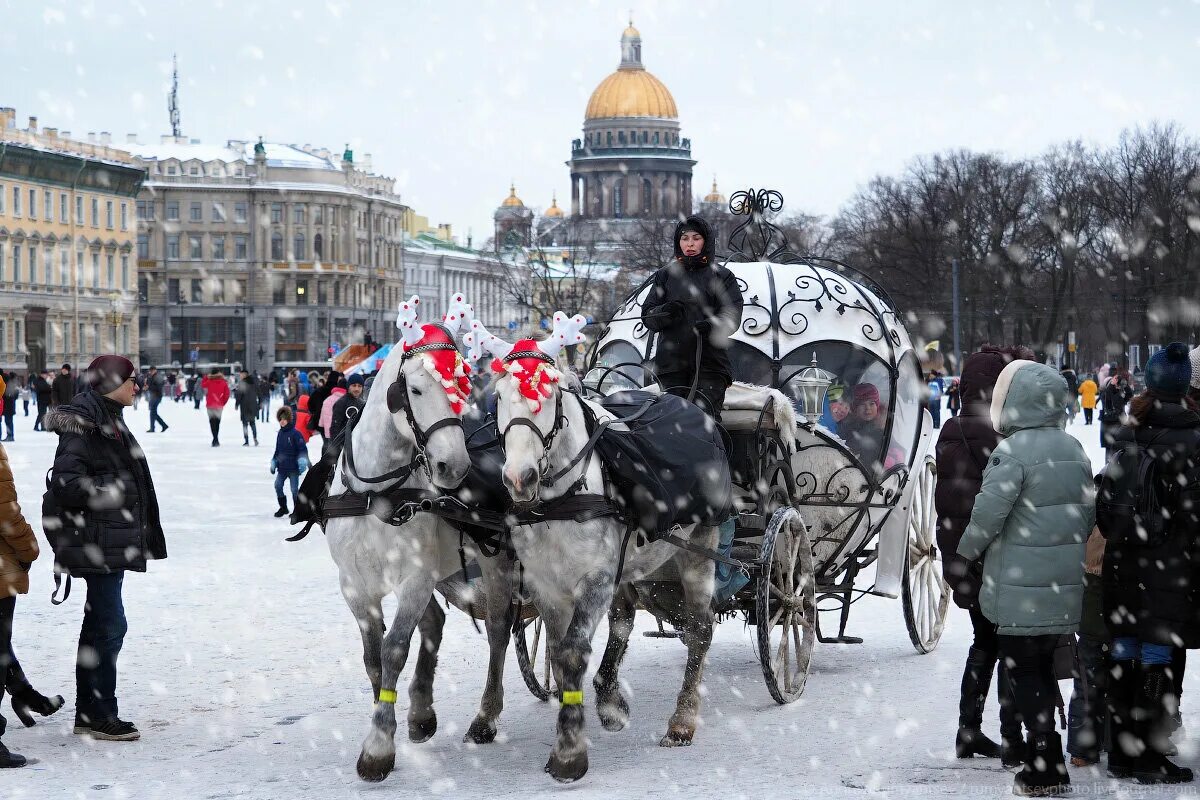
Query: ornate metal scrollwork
(756,239)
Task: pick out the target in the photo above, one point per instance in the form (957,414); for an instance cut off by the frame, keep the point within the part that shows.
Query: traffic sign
(194,355)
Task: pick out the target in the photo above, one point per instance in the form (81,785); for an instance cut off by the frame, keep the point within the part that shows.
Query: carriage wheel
(533,657)
(925,595)
(786,605)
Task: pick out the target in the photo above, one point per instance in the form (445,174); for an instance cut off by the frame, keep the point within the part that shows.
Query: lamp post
(115,315)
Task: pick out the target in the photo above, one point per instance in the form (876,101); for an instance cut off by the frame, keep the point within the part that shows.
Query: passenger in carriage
(694,305)
(863,429)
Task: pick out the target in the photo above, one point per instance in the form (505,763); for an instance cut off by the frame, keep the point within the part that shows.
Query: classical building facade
(437,268)
(631,161)
(67,260)
(264,253)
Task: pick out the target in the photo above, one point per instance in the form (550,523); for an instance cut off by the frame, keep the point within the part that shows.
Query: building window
(172,169)
(32,264)
(322,293)
(141,209)
(239,212)
(33,204)
(218,212)
(143,289)
(64,267)
(298,247)
(16,201)
(337,293)
(173,293)
(217,287)
(318,215)
(239,248)
(194,170)
(278,290)
(143,246)
(197,215)
(197,291)
(63,206)
(112,272)
(173,247)
(78,210)
(95,269)
(108,214)
(124,216)
(95,212)
(172,210)
(298,215)
(619,199)
(48,205)
(48,266)
(3,197)
(276,212)
(194,248)
(302,292)
(124,272)
(318,247)
(16,262)
(277,246)
(3,266)
(218,248)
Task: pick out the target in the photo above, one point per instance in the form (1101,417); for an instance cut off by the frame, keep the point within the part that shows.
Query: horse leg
(378,755)
(593,595)
(611,704)
(422,720)
(697,577)
(501,612)
(369,615)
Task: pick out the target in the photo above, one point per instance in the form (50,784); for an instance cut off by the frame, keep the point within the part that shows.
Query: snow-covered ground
(242,668)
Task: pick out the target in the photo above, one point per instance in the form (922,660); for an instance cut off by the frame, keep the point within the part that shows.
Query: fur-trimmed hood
(83,415)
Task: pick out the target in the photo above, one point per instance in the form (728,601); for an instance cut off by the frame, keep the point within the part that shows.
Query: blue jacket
(289,449)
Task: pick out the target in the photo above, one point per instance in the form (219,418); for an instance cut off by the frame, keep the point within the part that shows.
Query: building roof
(631,91)
(278,155)
(512,201)
(553,210)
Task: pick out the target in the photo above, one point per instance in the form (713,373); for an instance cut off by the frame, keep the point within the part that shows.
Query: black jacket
(42,390)
(691,298)
(154,386)
(1153,592)
(62,390)
(100,512)
(247,399)
(340,409)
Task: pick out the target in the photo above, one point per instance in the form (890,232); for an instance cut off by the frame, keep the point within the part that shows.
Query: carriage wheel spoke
(786,662)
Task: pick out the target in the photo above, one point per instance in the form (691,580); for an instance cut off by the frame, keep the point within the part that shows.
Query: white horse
(410,434)
(571,567)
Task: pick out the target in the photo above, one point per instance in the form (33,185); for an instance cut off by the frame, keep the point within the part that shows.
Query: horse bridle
(545,439)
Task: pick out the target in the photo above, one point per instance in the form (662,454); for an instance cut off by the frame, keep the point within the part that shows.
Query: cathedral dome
(714,196)
(553,210)
(631,91)
(512,201)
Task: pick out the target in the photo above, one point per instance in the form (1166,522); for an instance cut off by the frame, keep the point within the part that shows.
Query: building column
(574,195)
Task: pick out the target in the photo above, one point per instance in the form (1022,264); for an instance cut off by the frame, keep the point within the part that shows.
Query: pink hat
(864,392)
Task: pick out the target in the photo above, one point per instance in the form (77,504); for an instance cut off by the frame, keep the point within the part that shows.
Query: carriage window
(628,374)
(858,402)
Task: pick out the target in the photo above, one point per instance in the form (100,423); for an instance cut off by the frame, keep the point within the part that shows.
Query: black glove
(673,310)
(704,326)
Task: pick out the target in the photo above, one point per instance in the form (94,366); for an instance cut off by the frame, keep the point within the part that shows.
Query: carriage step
(840,639)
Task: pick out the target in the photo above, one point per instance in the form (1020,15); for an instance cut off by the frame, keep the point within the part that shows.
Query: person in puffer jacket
(1030,521)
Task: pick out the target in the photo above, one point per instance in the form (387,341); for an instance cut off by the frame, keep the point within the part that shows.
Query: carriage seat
(743,412)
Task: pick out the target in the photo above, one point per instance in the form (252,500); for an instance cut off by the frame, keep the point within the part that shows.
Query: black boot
(283,509)
(976,681)
(1122,690)
(9,758)
(27,700)
(1156,701)
(1045,772)
(1012,737)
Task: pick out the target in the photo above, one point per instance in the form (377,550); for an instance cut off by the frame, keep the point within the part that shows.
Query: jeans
(1128,648)
(1030,662)
(1087,415)
(41,416)
(935,411)
(154,417)
(8,421)
(291,477)
(100,639)
(1087,717)
(248,430)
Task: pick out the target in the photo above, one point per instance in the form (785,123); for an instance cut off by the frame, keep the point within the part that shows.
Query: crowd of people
(1068,574)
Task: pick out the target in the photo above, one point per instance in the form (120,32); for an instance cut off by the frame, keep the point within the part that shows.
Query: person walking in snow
(1088,390)
(1072,393)
(964,449)
(216,395)
(41,395)
(63,388)
(18,551)
(101,517)
(155,385)
(1116,395)
(247,404)
(352,399)
(1030,521)
(1149,513)
(289,461)
(12,391)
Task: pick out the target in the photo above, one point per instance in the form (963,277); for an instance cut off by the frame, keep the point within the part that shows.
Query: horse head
(528,400)
(427,388)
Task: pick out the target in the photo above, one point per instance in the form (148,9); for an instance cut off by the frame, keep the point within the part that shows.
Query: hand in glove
(704,326)
(303,463)
(274,466)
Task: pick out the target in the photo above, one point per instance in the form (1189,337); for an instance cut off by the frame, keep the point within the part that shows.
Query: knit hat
(1194,356)
(106,373)
(865,392)
(1169,371)
(355,378)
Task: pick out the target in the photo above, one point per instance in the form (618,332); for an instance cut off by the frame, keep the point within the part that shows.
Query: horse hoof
(422,730)
(676,739)
(614,714)
(569,770)
(481,731)
(374,769)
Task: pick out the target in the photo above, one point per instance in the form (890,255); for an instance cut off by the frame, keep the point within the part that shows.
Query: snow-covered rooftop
(278,155)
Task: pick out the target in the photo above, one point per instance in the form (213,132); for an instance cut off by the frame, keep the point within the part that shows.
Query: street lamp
(115,315)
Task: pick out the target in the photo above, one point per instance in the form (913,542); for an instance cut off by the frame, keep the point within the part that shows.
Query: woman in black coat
(101,516)
(963,449)
(1151,575)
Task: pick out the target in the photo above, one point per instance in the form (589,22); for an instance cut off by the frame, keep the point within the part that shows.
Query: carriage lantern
(813,382)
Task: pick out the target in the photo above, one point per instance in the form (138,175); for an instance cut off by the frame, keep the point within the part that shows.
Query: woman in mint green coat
(1029,524)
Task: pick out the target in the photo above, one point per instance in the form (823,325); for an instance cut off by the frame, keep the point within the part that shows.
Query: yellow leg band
(572,698)
(387,696)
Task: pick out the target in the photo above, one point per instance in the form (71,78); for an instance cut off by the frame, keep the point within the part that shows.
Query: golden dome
(631,93)
(714,196)
(553,210)
(632,32)
(512,201)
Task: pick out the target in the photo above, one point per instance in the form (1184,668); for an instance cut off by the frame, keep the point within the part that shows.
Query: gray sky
(454,98)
